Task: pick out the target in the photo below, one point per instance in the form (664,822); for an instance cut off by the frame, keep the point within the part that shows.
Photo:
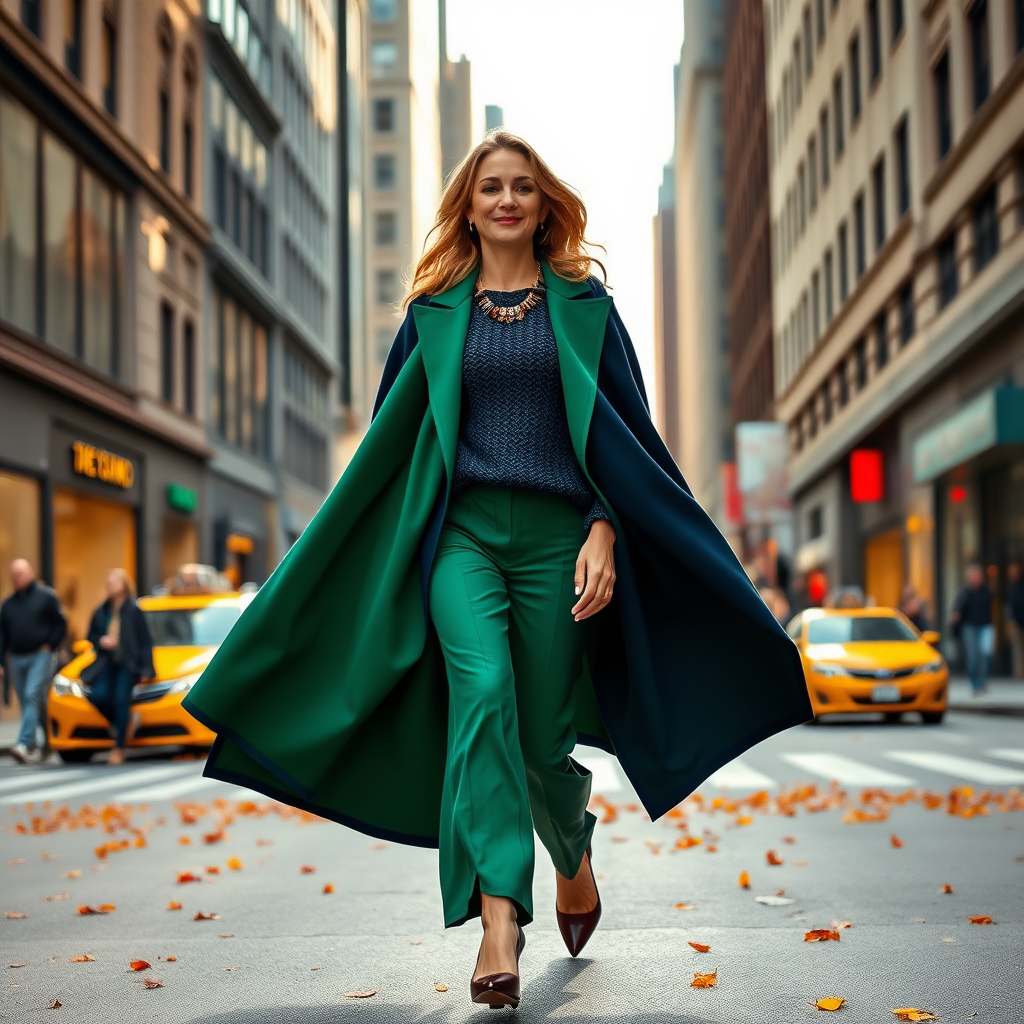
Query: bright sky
(588,83)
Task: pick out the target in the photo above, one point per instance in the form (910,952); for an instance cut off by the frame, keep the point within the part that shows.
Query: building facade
(897,190)
(103,441)
(456,101)
(666,314)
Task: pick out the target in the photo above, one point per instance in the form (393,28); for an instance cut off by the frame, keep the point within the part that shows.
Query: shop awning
(996,416)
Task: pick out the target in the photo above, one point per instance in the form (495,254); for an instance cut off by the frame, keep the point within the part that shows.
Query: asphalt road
(283,950)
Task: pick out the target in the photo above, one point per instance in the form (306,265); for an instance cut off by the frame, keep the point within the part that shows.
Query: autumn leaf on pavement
(789,839)
(699,946)
(73,874)
(829,1003)
(16,965)
(704,980)
(235,863)
(909,1013)
(947,888)
(59,896)
(981,919)
(103,908)
(187,876)
(174,905)
(213,869)
(684,906)
(361,995)
(329,888)
(439,987)
(821,935)
(214,837)
(16,915)
(744,882)
(773,858)
(687,841)
(83,959)
(842,924)
(744,819)
(150,982)
(307,869)
(895,841)
(200,916)
(139,965)
(185,840)
(55,1005)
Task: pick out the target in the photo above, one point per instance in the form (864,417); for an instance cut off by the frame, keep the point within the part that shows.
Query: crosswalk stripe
(958,767)
(738,774)
(111,781)
(166,790)
(1009,754)
(605,777)
(29,779)
(845,770)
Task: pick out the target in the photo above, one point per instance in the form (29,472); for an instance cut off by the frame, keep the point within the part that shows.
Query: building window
(943,110)
(981,69)
(898,20)
(907,312)
(859,244)
(823,132)
(826,402)
(166,353)
(815,307)
(1018,25)
(820,18)
(166,33)
(860,363)
(902,169)
(187,128)
(383,10)
(801,177)
(837,107)
(844,267)
(808,49)
(842,385)
(949,273)
(384,115)
(878,200)
(30,16)
(238,406)
(812,171)
(383,59)
(188,156)
(387,287)
(188,367)
(73,37)
(874,42)
(855,98)
(384,171)
(828,286)
(881,340)
(108,66)
(385,227)
(306,415)
(65,282)
(986,228)
(815,523)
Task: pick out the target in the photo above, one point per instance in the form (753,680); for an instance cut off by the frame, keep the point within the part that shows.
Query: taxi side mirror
(930,636)
(81,647)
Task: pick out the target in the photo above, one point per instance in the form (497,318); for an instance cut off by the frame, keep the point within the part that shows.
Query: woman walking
(124,646)
(511,564)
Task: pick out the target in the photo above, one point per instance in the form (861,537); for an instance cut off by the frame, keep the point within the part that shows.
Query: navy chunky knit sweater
(513,430)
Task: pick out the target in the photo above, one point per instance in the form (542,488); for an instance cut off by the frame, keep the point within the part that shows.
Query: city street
(307,912)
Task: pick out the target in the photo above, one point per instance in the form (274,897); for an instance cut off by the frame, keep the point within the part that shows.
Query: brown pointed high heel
(498,990)
(576,929)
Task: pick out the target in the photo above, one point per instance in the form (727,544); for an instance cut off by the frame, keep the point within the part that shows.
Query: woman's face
(507,204)
(115,587)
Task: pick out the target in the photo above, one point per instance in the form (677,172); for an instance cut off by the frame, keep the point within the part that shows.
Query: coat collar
(578,323)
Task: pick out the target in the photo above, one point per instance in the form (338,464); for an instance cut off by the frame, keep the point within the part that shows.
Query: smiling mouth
(508,220)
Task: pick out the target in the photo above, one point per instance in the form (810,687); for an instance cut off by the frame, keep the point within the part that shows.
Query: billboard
(762,460)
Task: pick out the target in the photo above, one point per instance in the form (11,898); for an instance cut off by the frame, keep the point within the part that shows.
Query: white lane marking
(959,767)
(605,777)
(112,781)
(165,790)
(738,774)
(1009,754)
(34,778)
(845,770)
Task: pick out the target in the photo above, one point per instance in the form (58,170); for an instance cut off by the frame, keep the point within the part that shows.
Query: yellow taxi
(870,659)
(188,621)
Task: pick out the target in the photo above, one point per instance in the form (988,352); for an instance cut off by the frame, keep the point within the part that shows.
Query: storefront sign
(867,475)
(762,460)
(182,499)
(102,465)
(239,544)
(995,417)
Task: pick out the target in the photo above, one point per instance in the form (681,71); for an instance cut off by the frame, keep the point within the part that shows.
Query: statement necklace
(506,314)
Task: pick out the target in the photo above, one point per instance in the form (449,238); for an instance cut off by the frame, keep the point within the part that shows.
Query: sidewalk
(1004,697)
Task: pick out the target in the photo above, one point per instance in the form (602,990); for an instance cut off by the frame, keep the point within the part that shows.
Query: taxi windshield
(846,629)
(194,627)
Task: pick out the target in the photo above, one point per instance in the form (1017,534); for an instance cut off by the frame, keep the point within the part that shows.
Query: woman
(511,563)
(124,646)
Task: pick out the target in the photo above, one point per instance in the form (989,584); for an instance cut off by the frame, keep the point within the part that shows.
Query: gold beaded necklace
(506,314)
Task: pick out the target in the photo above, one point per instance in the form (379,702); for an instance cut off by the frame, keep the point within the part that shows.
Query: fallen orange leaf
(704,980)
(174,905)
(744,819)
(438,987)
(744,882)
(187,876)
(699,946)
(829,1003)
(200,916)
(684,906)
(779,892)
(235,863)
(73,874)
(59,896)
(619,839)
(103,908)
(909,1013)
(981,919)
(226,935)
(711,849)
(151,982)
(821,935)
(896,841)
(307,869)
(139,965)
(947,888)
(329,888)
(16,915)
(361,995)
(789,839)
(773,858)
(185,840)
(214,837)
(171,958)
(55,1005)
(842,924)
(687,841)
(213,870)
(83,959)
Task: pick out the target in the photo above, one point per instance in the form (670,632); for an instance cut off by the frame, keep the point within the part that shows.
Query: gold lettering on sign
(102,465)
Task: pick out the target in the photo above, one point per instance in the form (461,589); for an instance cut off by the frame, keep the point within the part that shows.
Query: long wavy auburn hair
(455,250)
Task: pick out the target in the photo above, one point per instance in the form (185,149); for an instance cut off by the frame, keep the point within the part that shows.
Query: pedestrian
(914,608)
(799,597)
(972,624)
(511,563)
(32,624)
(124,657)
(1015,616)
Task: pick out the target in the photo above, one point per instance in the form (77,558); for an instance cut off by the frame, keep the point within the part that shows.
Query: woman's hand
(108,643)
(595,570)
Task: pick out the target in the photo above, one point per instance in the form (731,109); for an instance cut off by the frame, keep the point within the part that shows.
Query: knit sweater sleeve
(597,511)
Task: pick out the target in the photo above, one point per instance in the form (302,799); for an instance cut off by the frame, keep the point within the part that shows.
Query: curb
(1005,710)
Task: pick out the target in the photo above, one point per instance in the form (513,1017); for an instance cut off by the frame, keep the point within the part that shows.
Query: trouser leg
(37,688)
(101,694)
(123,681)
(486,833)
(547,647)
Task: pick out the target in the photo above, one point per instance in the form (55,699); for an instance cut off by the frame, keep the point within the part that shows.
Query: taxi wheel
(932,717)
(892,717)
(78,756)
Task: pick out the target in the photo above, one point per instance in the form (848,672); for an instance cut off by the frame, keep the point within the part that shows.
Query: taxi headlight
(64,687)
(825,668)
(931,668)
(184,684)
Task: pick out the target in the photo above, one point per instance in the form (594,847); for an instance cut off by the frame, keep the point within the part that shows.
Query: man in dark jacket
(31,626)
(972,621)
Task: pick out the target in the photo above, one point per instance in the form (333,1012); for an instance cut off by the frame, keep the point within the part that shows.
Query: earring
(472,227)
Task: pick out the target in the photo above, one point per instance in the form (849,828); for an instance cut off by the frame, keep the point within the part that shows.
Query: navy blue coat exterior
(689,666)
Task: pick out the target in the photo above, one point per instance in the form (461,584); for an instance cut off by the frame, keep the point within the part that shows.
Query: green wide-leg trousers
(501,594)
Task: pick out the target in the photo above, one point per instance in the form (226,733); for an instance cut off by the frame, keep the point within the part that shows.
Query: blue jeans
(977,643)
(31,674)
(111,695)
